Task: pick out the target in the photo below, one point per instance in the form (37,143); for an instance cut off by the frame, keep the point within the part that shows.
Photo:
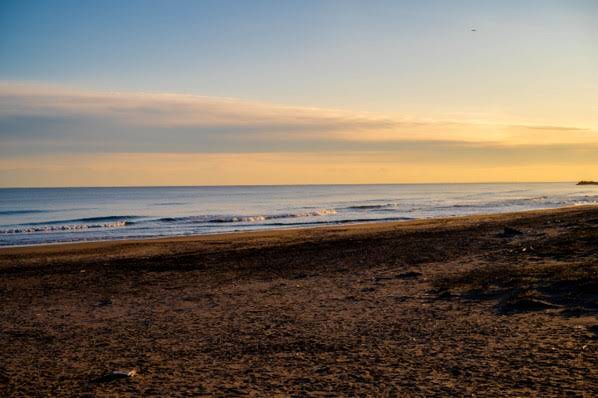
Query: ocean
(30,216)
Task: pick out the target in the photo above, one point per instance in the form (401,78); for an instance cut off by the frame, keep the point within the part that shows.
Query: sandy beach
(496,305)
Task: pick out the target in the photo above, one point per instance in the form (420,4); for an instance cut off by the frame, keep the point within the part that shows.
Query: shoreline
(268,231)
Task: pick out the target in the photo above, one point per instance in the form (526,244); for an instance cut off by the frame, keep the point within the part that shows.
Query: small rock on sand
(116,375)
(509,232)
(525,305)
(409,275)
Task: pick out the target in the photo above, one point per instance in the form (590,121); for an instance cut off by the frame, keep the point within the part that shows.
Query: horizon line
(291,185)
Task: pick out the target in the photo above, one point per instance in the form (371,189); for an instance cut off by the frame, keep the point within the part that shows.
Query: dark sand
(427,308)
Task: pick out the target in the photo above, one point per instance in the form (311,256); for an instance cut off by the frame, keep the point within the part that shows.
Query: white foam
(66,227)
(316,213)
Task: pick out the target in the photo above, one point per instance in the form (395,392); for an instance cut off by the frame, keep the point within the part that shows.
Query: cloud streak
(45,119)
(55,136)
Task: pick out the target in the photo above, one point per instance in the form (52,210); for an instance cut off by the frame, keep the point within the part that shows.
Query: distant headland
(587,183)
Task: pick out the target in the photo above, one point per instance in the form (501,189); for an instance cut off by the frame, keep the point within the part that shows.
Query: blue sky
(303,76)
(379,54)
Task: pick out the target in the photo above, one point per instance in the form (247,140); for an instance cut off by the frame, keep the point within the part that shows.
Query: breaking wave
(77,224)
(539,202)
(86,220)
(64,227)
(248,219)
(49,219)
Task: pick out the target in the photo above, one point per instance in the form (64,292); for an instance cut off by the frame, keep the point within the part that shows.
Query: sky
(110,93)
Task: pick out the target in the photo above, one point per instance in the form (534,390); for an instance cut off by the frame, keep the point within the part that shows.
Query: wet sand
(498,305)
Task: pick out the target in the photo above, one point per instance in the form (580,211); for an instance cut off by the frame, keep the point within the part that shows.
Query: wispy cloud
(46,119)
(28,107)
(55,136)
(551,128)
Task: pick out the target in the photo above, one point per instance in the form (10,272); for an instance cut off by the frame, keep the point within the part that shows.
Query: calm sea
(51,215)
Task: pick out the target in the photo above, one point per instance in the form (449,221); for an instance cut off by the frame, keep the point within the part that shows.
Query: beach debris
(527,304)
(121,373)
(116,375)
(409,275)
(509,232)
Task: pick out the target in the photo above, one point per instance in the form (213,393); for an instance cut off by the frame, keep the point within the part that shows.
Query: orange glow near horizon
(96,138)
